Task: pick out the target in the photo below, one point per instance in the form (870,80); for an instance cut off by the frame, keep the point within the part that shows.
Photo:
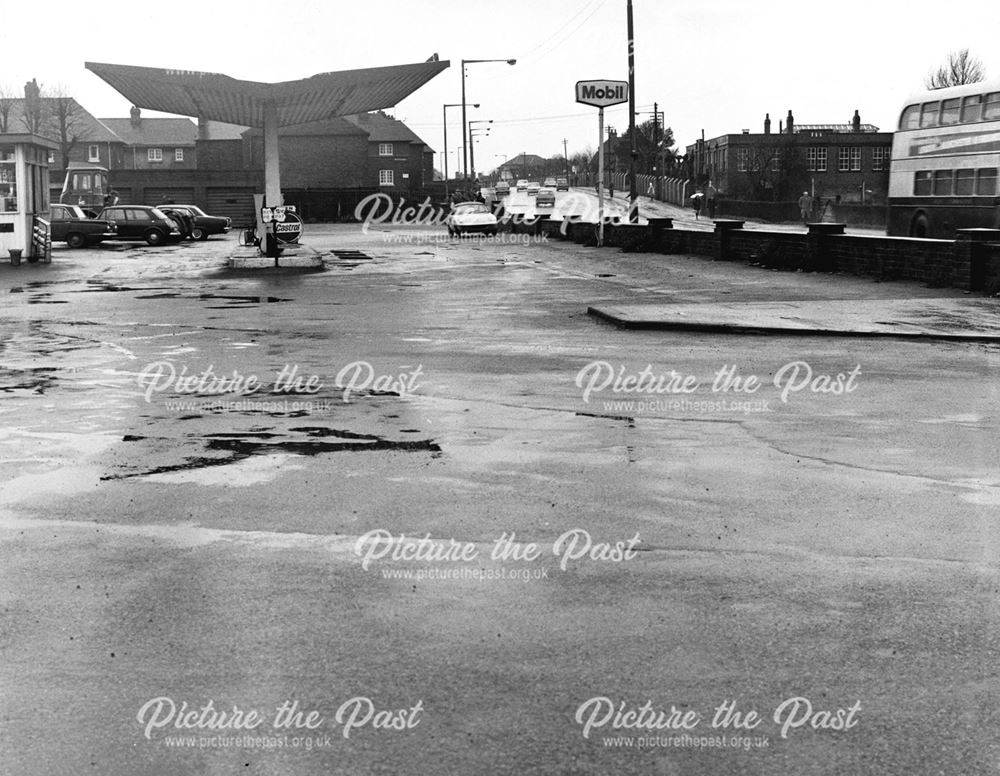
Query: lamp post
(474,134)
(472,62)
(444,112)
(472,158)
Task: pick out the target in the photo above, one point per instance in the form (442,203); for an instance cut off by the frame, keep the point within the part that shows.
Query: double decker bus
(945,158)
(85,185)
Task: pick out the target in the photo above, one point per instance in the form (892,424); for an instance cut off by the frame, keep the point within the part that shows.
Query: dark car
(181,217)
(201,223)
(562,184)
(69,224)
(139,222)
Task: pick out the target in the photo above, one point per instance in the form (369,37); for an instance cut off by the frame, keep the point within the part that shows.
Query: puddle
(236,301)
(233,447)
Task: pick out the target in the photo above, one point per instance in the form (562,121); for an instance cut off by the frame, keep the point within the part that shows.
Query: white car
(533,188)
(522,184)
(471,217)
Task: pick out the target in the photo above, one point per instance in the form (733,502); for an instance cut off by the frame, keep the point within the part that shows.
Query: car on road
(199,224)
(562,184)
(471,217)
(545,198)
(69,224)
(532,188)
(522,184)
(502,189)
(140,222)
(549,183)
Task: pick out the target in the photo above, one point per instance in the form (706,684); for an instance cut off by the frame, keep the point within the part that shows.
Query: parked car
(466,217)
(532,188)
(550,183)
(69,224)
(502,188)
(545,198)
(182,219)
(202,225)
(139,222)
(522,184)
(562,184)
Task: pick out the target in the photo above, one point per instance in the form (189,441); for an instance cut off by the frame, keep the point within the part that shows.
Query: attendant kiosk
(24,195)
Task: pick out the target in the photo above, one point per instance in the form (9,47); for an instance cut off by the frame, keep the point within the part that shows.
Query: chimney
(202,128)
(789,123)
(767,123)
(856,121)
(134,117)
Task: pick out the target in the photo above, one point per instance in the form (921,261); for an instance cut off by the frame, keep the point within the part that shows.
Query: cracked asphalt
(605,530)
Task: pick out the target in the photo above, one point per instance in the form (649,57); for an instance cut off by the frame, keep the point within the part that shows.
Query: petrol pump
(24,196)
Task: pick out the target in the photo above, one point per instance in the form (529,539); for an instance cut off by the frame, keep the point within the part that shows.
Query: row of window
(848,158)
(964,182)
(957,110)
(152,155)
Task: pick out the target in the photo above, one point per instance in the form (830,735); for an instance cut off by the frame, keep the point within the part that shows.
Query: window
(8,180)
(942,183)
(972,107)
(949,111)
(135,214)
(849,158)
(52,157)
(385,178)
(965,182)
(929,114)
(922,183)
(880,157)
(385,149)
(93,153)
(742,157)
(991,109)
(178,154)
(986,181)
(154,154)
(816,158)
(910,118)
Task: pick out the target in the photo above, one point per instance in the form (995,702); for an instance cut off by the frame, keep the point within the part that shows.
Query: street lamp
(472,158)
(444,112)
(472,62)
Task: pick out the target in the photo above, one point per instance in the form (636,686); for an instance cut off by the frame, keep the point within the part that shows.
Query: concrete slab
(975,319)
(292,257)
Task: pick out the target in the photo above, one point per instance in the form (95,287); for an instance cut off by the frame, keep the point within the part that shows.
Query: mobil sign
(600,94)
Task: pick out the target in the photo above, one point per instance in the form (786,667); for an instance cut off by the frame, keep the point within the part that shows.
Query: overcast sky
(717,65)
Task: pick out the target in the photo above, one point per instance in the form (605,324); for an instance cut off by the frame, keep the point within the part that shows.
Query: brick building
(835,162)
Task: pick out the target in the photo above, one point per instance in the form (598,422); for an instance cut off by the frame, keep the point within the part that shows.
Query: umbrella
(696,195)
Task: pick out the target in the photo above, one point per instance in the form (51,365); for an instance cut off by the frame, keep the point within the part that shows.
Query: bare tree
(961,68)
(7,99)
(66,121)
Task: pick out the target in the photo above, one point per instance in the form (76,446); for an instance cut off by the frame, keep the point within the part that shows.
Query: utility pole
(566,157)
(633,210)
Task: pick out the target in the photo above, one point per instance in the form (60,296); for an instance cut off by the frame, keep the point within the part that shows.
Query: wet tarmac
(424,483)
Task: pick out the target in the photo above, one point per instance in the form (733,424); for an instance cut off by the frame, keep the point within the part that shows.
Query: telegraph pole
(633,210)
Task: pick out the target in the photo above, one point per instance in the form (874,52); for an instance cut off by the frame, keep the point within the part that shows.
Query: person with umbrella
(696,203)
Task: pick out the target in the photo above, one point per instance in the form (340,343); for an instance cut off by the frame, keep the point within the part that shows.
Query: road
(589,584)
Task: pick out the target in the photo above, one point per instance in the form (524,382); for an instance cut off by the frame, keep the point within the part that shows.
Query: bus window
(922,183)
(910,118)
(965,182)
(986,181)
(929,114)
(949,111)
(942,182)
(991,110)
(971,108)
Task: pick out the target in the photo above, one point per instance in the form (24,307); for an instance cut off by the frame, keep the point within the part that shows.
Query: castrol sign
(601,94)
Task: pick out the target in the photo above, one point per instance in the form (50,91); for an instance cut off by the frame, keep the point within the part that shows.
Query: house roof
(84,126)
(218,130)
(522,160)
(845,128)
(154,131)
(222,98)
(384,129)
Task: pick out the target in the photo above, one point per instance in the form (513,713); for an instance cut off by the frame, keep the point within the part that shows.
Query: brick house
(155,143)
(837,162)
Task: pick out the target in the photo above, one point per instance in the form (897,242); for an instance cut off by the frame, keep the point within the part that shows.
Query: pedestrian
(806,206)
(696,204)
(111,198)
(710,199)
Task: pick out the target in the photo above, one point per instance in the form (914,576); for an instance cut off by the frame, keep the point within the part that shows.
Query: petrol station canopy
(218,97)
